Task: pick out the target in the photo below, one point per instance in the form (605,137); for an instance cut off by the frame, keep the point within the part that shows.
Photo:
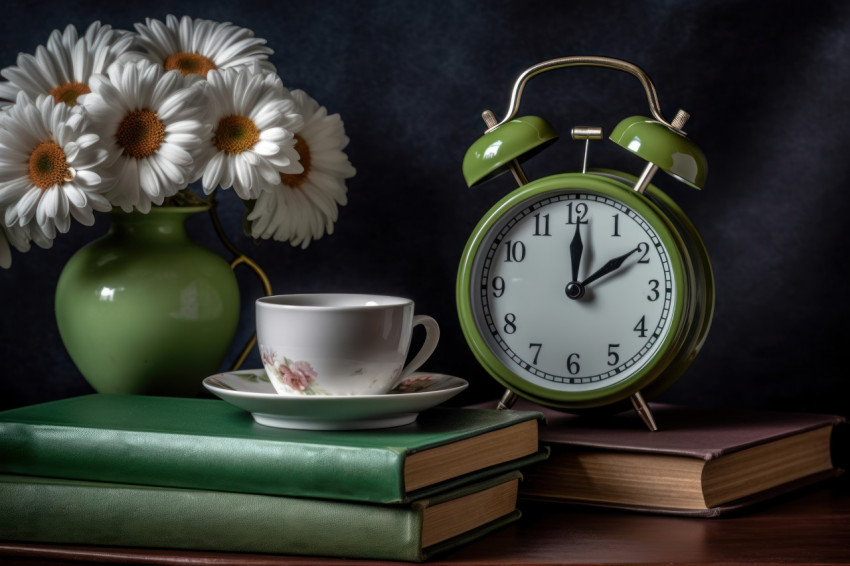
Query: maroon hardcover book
(704,434)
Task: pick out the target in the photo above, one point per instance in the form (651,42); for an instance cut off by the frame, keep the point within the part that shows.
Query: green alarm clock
(583,290)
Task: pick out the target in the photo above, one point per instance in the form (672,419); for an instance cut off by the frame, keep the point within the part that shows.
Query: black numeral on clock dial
(640,327)
(510,323)
(573,366)
(536,347)
(613,356)
(514,251)
(654,293)
(576,212)
(498,287)
(643,249)
(541,225)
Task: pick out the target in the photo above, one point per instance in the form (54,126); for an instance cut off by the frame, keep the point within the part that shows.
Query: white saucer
(250,390)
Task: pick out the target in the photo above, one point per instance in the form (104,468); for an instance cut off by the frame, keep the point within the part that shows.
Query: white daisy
(50,165)
(62,68)
(304,205)
(20,237)
(252,142)
(195,46)
(153,125)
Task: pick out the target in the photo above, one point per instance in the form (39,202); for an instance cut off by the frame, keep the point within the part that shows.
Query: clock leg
(642,409)
(507,401)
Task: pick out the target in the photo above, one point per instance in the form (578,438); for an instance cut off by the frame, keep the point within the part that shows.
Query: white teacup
(339,344)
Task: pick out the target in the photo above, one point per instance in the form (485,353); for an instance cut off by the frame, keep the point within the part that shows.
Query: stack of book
(199,474)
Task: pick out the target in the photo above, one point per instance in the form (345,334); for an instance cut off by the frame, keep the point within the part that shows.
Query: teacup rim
(382,301)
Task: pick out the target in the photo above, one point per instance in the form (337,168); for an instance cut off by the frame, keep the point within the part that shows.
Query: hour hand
(612,265)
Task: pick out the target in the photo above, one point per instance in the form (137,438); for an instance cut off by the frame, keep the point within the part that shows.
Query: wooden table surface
(810,527)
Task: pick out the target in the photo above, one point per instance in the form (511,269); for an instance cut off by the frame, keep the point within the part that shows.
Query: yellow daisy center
(140,133)
(69,92)
(297,180)
(236,134)
(189,63)
(48,165)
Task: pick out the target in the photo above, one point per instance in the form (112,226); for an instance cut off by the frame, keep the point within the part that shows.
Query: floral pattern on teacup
(414,384)
(251,377)
(295,377)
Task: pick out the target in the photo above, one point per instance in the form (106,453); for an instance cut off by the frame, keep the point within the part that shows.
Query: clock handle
(643,410)
(582,61)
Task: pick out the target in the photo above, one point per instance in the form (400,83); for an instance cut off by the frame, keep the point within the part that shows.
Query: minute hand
(608,267)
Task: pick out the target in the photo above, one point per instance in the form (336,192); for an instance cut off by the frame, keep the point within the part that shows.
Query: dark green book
(50,510)
(209,444)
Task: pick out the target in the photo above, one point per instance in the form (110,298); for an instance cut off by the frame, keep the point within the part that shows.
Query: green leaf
(248,376)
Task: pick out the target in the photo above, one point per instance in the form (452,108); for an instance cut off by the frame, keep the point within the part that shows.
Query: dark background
(766,84)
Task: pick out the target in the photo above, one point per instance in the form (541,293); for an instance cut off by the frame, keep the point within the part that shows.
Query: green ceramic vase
(144,309)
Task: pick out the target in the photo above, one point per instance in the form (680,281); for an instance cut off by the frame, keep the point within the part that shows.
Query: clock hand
(574,289)
(608,267)
(576,247)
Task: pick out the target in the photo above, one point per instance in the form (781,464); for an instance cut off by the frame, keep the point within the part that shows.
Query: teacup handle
(432,336)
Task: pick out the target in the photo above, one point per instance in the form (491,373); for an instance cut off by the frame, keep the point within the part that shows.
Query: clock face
(573,290)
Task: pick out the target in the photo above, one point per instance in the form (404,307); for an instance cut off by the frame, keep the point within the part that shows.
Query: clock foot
(642,409)
(507,401)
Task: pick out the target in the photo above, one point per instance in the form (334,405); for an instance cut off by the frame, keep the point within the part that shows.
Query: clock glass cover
(574,291)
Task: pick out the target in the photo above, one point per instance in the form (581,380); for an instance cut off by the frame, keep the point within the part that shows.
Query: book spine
(71,512)
(203,462)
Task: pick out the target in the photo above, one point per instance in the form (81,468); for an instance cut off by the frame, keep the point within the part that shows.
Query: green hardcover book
(209,444)
(51,510)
